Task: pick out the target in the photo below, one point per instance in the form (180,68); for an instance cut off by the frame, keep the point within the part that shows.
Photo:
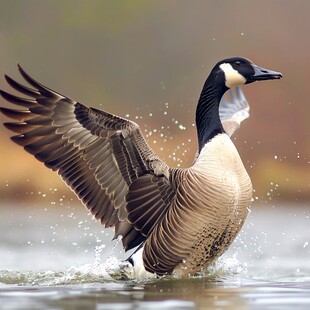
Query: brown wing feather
(145,206)
(171,240)
(100,156)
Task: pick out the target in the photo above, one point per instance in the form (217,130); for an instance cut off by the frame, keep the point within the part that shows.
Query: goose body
(210,206)
(180,220)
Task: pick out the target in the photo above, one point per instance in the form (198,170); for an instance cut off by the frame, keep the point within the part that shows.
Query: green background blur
(148,60)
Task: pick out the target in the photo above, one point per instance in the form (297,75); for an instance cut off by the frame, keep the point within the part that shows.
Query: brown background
(148,60)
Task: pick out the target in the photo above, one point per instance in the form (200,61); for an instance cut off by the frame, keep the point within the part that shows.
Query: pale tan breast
(223,193)
(211,205)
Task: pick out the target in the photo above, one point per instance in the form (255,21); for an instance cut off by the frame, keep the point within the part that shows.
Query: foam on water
(88,273)
(110,270)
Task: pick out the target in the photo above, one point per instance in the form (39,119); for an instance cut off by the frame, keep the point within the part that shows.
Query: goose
(178,220)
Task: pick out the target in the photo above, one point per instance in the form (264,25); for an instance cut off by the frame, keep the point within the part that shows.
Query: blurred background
(147,61)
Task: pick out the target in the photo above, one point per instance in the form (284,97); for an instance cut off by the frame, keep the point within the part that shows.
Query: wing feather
(234,108)
(103,158)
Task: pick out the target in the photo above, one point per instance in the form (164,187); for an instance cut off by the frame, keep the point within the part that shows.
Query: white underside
(125,270)
(138,270)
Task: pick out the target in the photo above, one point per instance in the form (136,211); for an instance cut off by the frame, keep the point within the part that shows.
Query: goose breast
(210,207)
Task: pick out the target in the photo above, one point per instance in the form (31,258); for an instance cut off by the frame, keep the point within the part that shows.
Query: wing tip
(24,74)
(19,139)
(19,67)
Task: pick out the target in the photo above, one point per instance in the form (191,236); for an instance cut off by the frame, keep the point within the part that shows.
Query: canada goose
(181,220)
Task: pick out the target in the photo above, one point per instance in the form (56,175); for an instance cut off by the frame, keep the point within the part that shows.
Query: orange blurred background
(148,60)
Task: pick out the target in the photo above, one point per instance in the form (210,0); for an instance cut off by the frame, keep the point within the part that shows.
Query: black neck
(207,114)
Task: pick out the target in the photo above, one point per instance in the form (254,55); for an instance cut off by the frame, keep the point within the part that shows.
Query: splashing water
(96,272)
(258,252)
(89,273)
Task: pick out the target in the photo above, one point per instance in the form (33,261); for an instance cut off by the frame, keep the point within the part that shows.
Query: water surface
(60,258)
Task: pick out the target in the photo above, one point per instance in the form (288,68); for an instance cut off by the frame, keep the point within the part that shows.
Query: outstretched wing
(234,109)
(103,158)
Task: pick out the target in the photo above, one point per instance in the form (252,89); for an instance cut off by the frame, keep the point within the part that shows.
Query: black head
(238,71)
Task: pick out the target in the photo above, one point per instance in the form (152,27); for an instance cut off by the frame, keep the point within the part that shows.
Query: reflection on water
(59,259)
(221,293)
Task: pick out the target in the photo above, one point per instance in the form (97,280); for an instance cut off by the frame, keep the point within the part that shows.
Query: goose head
(226,74)
(237,71)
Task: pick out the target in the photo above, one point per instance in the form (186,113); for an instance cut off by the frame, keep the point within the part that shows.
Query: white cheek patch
(232,77)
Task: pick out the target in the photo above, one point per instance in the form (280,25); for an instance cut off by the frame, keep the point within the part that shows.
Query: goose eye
(238,63)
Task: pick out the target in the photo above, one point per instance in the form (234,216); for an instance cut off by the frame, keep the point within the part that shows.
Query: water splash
(95,272)
(111,270)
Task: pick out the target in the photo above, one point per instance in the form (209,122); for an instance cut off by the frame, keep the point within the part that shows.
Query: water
(60,258)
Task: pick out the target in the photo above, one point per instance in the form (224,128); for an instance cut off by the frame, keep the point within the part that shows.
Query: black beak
(261,74)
